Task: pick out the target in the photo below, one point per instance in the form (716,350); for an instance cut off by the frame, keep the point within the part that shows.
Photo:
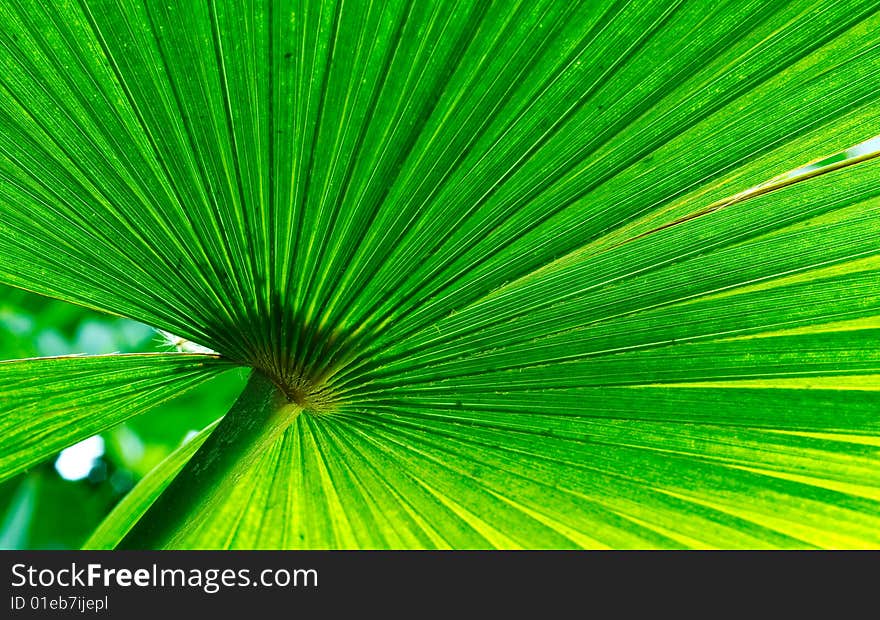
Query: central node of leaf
(306,388)
(308,359)
(309,399)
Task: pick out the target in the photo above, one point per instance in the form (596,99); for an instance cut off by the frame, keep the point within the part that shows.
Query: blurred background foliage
(43,509)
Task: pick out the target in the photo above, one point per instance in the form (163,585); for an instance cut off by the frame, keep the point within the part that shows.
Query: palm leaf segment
(492,263)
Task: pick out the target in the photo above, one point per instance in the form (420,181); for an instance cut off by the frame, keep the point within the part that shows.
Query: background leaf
(50,403)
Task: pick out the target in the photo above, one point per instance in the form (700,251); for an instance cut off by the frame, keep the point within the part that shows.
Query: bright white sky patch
(75,462)
(869,146)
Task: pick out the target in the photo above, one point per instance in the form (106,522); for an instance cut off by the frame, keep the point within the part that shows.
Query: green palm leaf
(47,404)
(509,274)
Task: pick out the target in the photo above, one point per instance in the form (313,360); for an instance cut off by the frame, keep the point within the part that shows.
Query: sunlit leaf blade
(506,256)
(47,404)
(803,255)
(635,468)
